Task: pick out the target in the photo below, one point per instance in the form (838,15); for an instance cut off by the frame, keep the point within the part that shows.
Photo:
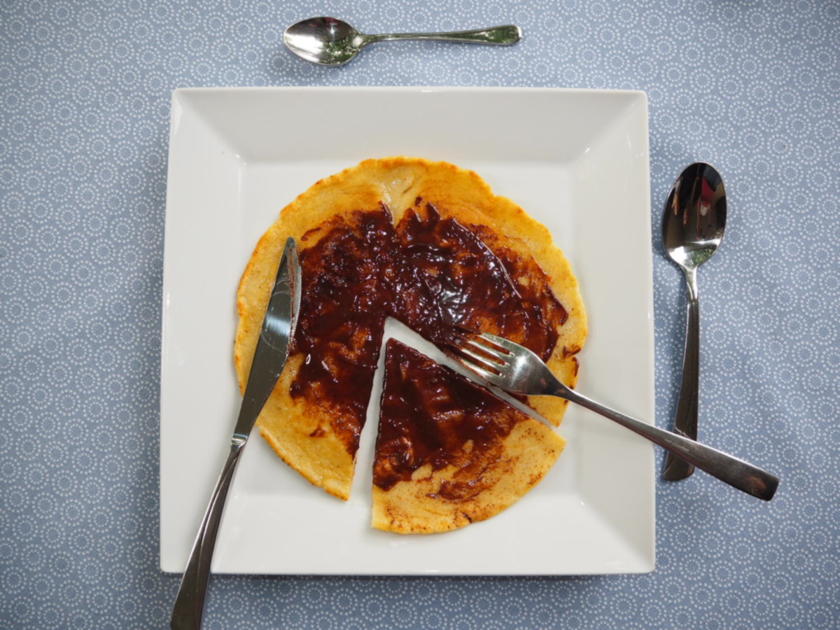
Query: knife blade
(270,357)
(275,337)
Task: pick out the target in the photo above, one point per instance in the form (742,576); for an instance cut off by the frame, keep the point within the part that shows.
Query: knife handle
(189,604)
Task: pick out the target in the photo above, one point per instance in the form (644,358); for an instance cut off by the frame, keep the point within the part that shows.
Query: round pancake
(303,431)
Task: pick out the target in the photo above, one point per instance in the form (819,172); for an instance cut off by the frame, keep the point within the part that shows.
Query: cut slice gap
(363,477)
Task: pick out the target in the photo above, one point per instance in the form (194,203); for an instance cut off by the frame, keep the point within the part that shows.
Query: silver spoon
(692,229)
(332,42)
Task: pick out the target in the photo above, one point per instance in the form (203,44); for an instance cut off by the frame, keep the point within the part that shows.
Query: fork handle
(737,473)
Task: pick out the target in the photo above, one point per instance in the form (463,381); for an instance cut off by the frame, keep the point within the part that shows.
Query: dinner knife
(278,328)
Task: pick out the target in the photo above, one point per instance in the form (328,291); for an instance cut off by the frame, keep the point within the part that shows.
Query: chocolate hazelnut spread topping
(435,275)
(431,415)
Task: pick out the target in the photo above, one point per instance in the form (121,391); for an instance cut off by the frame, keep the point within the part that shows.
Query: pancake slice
(314,416)
(448,452)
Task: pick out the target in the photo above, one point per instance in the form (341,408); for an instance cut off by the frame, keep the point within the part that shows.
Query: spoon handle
(496,36)
(685,421)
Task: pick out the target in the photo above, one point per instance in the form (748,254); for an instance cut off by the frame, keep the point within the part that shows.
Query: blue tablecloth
(85,88)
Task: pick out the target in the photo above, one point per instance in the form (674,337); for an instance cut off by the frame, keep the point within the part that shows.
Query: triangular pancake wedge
(448,452)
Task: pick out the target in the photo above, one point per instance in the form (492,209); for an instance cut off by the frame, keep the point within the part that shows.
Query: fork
(514,368)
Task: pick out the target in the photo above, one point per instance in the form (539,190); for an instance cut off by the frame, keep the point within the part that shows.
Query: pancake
(448,452)
(425,242)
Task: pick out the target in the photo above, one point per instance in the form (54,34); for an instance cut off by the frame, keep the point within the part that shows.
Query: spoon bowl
(695,216)
(324,40)
(332,42)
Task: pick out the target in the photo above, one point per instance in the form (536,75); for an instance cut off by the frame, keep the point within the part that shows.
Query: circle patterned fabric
(85,89)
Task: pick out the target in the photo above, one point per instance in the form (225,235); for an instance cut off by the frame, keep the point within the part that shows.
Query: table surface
(751,87)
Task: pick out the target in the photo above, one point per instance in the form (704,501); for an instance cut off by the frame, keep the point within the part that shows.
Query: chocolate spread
(432,273)
(431,415)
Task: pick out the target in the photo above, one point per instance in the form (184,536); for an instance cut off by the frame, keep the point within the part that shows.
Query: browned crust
(416,507)
(287,423)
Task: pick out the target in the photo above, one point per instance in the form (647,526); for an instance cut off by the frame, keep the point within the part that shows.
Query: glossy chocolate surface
(432,273)
(431,415)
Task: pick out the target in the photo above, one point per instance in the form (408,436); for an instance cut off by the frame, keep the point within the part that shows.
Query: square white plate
(575,160)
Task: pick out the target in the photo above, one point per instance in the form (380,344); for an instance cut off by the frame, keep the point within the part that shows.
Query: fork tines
(480,352)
